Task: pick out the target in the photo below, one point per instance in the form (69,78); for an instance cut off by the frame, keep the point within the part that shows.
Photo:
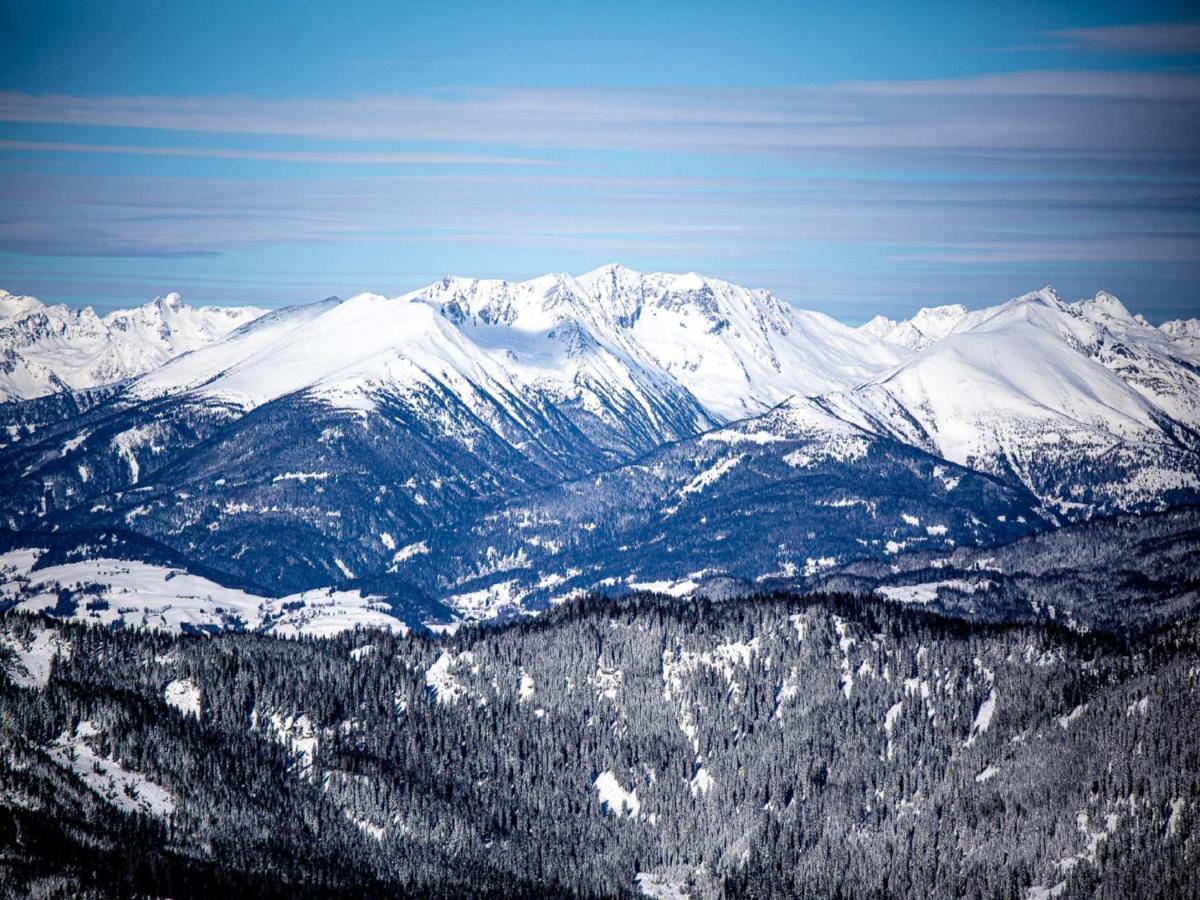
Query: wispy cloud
(81,215)
(1019,111)
(1160,39)
(365,158)
(835,191)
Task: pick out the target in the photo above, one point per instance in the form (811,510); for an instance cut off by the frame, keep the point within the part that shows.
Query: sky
(854,158)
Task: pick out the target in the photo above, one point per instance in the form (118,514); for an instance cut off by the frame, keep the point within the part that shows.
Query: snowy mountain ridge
(479,448)
(45,349)
(926,327)
(1043,390)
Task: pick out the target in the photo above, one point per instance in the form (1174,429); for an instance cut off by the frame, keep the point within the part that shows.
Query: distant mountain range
(46,349)
(480,449)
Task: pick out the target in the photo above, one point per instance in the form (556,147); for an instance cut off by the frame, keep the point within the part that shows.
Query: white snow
(129,442)
(614,799)
(1038,892)
(184,695)
(661,886)
(31,668)
(51,347)
(524,687)
(368,828)
(927,592)
(408,551)
(928,326)
(439,678)
(607,682)
(983,717)
(1173,821)
(679,588)
(1065,721)
(892,716)
(130,792)
(813,566)
(144,595)
(710,475)
(701,782)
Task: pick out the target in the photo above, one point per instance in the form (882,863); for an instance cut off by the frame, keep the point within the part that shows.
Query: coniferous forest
(823,746)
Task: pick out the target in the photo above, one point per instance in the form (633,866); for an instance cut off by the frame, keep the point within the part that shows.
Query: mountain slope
(495,446)
(549,336)
(624,345)
(1185,337)
(1078,402)
(45,349)
(738,351)
(780,747)
(778,496)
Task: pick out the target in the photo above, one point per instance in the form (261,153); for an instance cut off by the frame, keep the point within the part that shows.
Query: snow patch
(614,799)
(130,792)
(184,695)
(440,678)
(31,668)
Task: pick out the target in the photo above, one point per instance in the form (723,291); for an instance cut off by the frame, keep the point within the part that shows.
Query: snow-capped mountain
(482,446)
(738,351)
(1185,337)
(633,360)
(45,349)
(1080,402)
(616,333)
(928,326)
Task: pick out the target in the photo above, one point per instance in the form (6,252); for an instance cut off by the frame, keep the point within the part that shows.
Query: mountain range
(479,449)
(46,349)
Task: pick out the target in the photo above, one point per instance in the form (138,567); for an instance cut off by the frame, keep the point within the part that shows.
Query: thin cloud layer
(1165,39)
(815,191)
(1009,112)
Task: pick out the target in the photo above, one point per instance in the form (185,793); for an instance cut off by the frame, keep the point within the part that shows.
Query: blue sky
(853,158)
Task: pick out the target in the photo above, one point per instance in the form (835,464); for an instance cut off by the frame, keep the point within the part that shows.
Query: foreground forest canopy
(779,746)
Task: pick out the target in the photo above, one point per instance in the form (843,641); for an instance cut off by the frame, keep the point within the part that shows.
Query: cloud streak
(356,158)
(816,191)
(1007,112)
(1162,39)
(928,219)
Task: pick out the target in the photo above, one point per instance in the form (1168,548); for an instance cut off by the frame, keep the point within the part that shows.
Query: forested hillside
(773,747)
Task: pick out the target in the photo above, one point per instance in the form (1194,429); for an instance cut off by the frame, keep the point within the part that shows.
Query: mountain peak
(878,326)
(1104,304)
(15,304)
(611,270)
(927,326)
(1182,328)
